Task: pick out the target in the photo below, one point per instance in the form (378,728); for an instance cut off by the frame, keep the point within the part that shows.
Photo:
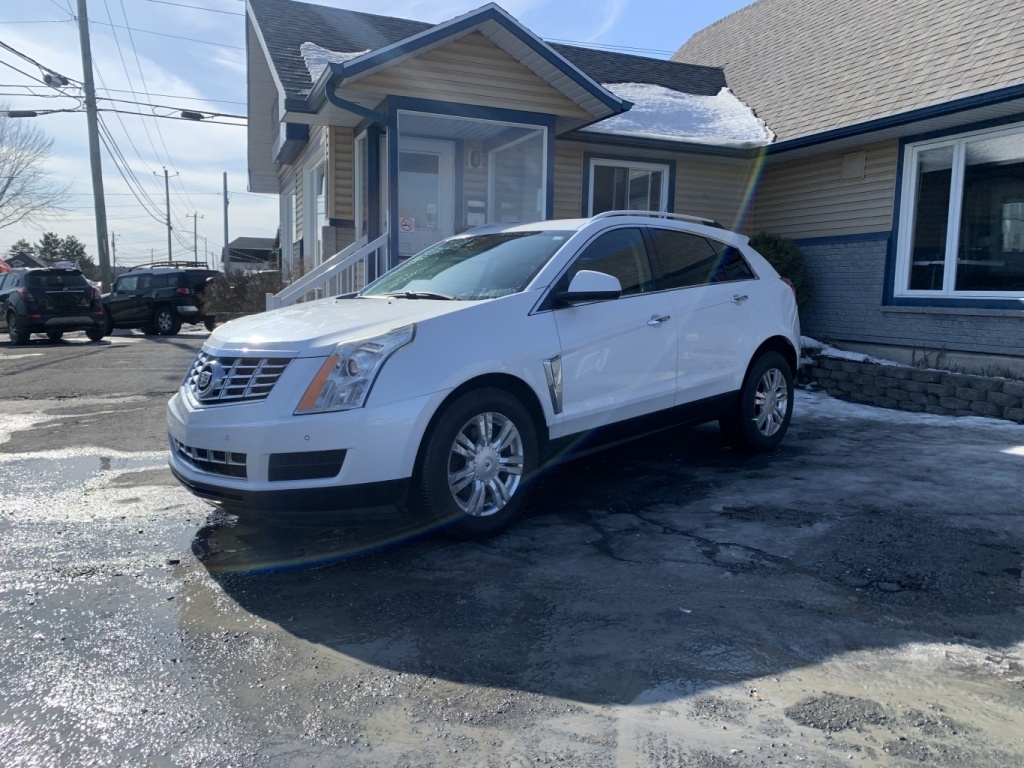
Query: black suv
(51,300)
(159,298)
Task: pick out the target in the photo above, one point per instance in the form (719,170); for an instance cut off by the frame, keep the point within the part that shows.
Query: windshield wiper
(421,295)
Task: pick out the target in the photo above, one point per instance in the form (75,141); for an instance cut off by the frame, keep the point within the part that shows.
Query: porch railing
(345,272)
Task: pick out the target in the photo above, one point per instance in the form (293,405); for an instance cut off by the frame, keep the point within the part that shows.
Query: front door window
(425,194)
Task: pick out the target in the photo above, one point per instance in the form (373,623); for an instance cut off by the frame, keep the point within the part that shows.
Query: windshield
(472,267)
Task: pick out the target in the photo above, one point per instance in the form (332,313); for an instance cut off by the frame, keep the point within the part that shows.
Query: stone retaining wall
(921,391)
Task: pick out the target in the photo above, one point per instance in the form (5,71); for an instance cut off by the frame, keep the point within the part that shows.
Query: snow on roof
(317,58)
(661,113)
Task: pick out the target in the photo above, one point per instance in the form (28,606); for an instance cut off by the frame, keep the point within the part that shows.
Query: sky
(189,54)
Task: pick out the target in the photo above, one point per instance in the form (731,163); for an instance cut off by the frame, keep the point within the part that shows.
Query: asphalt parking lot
(855,598)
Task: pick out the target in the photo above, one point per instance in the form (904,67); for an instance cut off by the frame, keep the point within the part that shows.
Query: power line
(164,34)
(195,7)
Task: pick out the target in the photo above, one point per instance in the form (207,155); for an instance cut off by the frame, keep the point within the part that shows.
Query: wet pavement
(855,598)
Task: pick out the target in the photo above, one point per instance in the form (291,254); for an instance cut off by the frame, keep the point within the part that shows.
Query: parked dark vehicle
(51,300)
(160,298)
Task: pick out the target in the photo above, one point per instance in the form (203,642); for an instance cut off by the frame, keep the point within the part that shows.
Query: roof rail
(172,264)
(662,215)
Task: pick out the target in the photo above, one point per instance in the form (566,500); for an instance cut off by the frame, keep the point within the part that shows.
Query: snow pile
(317,58)
(661,113)
(814,347)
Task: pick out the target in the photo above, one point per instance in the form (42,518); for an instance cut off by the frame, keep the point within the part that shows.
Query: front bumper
(226,454)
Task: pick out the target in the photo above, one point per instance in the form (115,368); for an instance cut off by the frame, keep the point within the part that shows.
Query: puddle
(41,475)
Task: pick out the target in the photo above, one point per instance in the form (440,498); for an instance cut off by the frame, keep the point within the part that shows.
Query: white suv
(451,381)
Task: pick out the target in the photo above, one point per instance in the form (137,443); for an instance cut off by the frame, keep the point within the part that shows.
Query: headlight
(345,379)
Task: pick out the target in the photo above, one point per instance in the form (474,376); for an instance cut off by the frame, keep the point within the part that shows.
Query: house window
(617,185)
(962,217)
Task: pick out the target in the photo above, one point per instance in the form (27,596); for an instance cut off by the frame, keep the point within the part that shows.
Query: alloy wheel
(485,464)
(771,400)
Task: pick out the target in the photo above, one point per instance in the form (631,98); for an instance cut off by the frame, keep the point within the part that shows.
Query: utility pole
(113,252)
(92,121)
(224,256)
(167,197)
(195,235)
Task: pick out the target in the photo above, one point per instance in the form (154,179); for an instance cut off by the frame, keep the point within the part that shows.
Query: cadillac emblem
(206,379)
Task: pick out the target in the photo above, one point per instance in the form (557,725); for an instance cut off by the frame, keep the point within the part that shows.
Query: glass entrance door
(426,192)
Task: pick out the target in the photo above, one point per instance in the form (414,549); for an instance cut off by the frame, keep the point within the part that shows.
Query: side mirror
(588,285)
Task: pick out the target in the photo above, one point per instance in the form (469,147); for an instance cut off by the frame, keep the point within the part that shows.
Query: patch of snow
(317,58)
(822,405)
(661,113)
(815,347)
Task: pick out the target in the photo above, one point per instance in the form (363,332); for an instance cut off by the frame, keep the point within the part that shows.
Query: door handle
(657,320)
(739,299)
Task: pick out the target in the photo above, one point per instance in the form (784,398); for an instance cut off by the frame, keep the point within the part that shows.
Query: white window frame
(631,165)
(908,210)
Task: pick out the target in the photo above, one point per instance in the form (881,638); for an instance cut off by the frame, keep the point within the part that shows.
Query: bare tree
(27,191)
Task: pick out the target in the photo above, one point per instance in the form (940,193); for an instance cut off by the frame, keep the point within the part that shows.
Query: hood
(312,329)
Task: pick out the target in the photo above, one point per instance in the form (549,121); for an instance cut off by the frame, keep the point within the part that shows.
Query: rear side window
(687,260)
(55,280)
(620,253)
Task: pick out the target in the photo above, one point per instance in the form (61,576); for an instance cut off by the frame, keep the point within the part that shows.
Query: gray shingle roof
(286,24)
(808,66)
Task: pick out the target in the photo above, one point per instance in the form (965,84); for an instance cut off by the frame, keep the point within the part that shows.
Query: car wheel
(55,335)
(95,334)
(209,323)
(477,464)
(760,418)
(108,324)
(16,329)
(166,321)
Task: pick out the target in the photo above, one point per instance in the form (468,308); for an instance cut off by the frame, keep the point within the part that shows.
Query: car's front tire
(166,321)
(760,418)
(16,329)
(477,465)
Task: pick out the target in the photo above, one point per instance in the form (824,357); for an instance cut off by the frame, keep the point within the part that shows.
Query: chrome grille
(232,379)
(216,462)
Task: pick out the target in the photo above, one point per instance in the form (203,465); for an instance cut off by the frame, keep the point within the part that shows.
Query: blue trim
(663,145)
(454,109)
(889,278)
(490,12)
(342,223)
(933,301)
(966,128)
(864,237)
(670,198)
(904,118)
(392,185)
(290,143)
(458,198)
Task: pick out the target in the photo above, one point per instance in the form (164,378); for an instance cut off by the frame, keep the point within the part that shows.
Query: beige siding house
(382,136)
(898,164)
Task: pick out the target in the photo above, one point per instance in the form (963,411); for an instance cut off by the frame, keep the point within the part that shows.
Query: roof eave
(901,119)
(667,145)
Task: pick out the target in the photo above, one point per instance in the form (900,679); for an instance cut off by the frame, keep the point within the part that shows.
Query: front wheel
(209,323)
(166,321)
(761,416)
(478,462)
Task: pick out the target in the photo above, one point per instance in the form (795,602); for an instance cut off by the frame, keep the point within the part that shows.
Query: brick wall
(848,279)
(910,389)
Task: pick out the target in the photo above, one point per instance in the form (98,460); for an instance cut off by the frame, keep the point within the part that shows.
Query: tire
(209,323)
(16,329)
(108,324)
(760,418)
(477,501)
(95,334)
(55,335)
(166,321)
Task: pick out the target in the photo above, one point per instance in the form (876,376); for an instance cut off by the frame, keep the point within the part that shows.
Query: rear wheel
(478,463)
(761,416)
(55,335)
(210,324)
(166,321)
(17,329)
(95,334)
